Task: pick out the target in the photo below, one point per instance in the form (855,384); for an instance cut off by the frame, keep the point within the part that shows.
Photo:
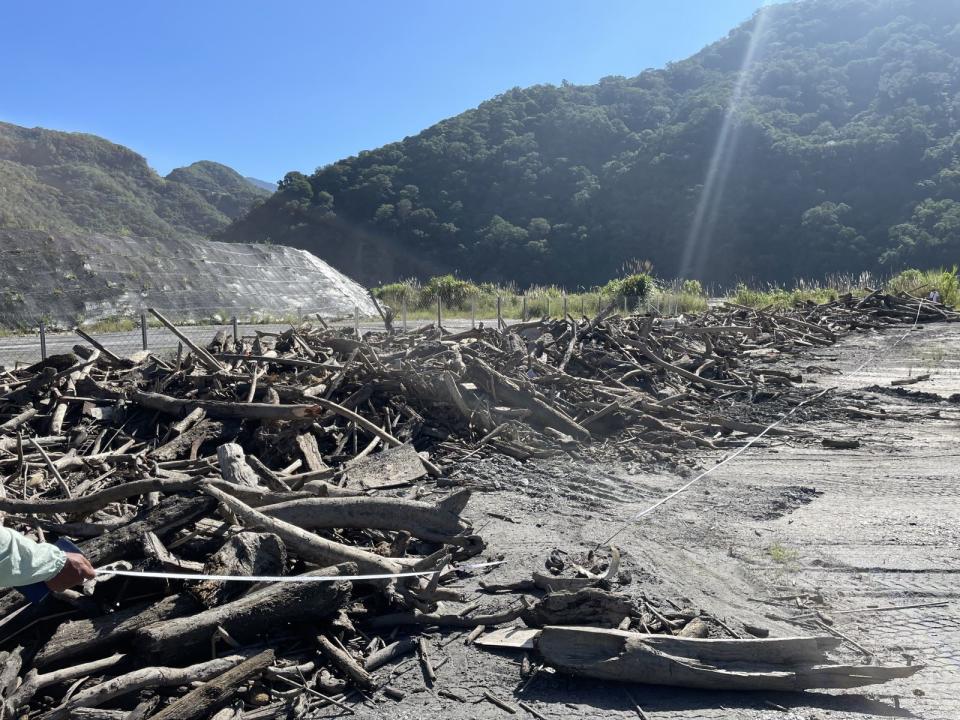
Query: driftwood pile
(277,454)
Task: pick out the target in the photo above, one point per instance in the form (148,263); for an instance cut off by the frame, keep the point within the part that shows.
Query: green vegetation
(460,297)
(116,323)
(636,286)
(843,153)
(779,298)
(782,555)
(70,182)
(919,283)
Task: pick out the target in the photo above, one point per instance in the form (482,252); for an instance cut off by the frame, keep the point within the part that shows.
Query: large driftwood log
(79,637)
(434,522)
(305,544)
(246,553)
(223,409)
(780,664)
(204,700)
(250,615)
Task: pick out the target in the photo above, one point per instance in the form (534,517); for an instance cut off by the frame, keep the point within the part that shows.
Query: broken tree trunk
(246,553)
(250,615)
(434,522)
(209,697)
(233,466)
(779,664)
(79,637)
(305,544)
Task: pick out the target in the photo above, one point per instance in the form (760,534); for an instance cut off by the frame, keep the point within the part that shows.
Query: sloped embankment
(72,278)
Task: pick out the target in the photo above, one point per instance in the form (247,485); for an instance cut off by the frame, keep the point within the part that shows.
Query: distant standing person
(934,296)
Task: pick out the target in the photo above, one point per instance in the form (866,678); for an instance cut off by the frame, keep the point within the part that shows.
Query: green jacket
(23,561)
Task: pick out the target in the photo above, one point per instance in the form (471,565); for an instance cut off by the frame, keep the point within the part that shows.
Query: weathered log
(204,700)
(307,545)
(246,617)
(586,606)
(137,680)
(781,664)
(223,409)
(191,437)
(95,501)
(34,681)
(246,553)
(234,467)
(347,665)
(425,520)
(75,638)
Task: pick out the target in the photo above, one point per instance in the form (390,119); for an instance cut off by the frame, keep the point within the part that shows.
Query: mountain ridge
(78,182)
(835,152)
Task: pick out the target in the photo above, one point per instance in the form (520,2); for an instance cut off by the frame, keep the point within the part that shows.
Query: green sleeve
(23,561)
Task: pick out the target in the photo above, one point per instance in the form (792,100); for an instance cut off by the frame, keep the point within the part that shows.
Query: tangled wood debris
(283,455)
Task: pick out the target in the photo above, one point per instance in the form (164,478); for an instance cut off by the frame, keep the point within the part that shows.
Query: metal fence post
(236,330)
(473,312)
(523,313)
(43,340)
(583,309)
(499,314)
(439,312)
(143,330)
(403,312)
(356,320)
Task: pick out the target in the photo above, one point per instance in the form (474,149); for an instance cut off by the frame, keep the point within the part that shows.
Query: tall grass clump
(919,283)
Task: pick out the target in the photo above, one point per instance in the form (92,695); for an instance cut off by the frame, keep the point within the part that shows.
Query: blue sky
(267,87)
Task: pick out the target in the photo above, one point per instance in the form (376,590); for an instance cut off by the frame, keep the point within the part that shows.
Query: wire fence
(136,332)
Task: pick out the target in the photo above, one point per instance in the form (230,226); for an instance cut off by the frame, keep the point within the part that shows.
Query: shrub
(692,287)
(637,286)
(451,290)
(394,294)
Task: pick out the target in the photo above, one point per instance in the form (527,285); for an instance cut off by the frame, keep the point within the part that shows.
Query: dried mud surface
(874,526)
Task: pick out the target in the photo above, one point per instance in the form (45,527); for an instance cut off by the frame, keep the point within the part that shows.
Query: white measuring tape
(286,578)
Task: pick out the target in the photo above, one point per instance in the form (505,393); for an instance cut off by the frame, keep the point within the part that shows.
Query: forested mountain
(72,182)
(835,149)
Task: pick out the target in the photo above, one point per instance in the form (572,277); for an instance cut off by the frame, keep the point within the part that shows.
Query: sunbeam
(702,229)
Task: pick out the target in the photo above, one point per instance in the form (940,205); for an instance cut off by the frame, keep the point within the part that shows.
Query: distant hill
(837,150)
(262,184)
(72,182)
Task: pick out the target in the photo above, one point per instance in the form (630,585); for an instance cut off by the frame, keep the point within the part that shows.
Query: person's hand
(75,571)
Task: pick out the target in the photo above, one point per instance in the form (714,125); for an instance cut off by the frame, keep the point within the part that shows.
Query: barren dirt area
(789,528)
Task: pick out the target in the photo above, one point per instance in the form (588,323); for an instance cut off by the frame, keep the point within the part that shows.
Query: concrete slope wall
(68,279)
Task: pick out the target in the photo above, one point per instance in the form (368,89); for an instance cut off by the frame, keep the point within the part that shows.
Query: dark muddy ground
(875,526)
